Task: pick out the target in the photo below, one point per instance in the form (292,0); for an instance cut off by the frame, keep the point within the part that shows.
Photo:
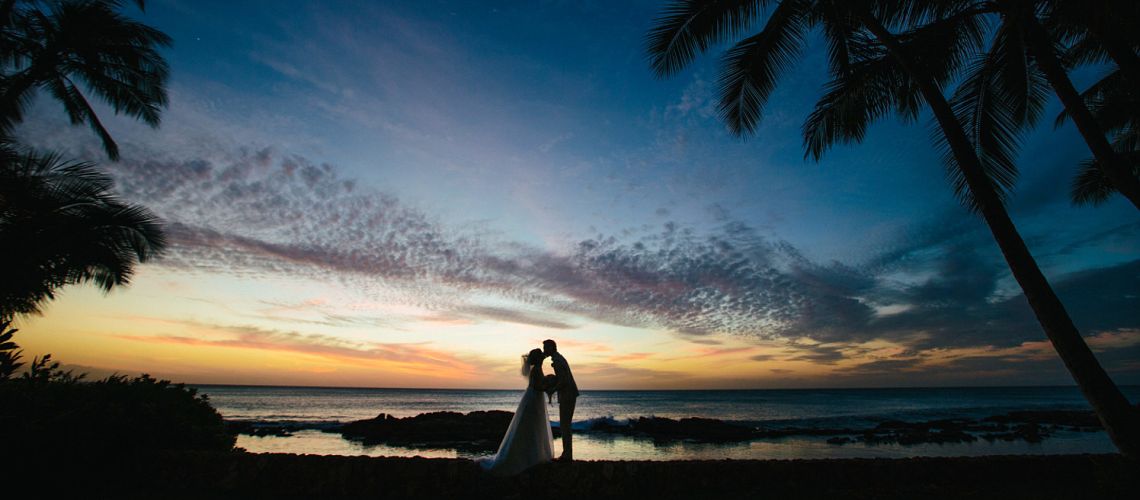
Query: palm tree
(58,45)
(1115,104)
(875,71)
(60,225)
(1093,23)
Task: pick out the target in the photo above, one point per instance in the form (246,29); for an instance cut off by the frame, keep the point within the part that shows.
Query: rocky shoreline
(481,431)
(249,475)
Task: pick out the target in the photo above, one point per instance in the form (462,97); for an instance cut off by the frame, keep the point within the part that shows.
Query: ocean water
(313,409)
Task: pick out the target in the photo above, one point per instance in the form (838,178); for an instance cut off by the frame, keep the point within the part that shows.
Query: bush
(113,414)
(51,410)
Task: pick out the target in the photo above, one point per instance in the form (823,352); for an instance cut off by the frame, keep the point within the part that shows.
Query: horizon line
(272,386)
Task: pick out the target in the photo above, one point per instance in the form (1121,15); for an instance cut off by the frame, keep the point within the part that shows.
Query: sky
(415,194)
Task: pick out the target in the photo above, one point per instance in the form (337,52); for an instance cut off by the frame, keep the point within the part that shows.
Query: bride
(528,440)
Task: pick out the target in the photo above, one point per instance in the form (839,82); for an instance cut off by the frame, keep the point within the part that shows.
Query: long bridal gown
(528,441)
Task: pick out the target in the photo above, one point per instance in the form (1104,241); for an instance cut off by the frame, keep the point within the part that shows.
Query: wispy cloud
(262,212)
(413,357)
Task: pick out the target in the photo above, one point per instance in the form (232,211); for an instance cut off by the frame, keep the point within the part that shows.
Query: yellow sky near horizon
(226,330)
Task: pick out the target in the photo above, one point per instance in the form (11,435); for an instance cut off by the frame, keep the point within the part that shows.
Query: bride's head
(531,359)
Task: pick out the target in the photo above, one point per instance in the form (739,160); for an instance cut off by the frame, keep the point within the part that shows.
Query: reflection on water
(595,447)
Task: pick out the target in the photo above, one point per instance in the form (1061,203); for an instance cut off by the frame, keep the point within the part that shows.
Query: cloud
(633,356)
(514,316)
(821,354)
(944,285)
(615,375)
(415,356)
(885,366)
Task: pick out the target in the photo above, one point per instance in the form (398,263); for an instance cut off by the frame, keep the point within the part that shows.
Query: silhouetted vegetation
(56,45)
(59,222)
(60,225)
(1114,102)
(904,57)
(49,410)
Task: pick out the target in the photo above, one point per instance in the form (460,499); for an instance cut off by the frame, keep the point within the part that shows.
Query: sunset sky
(414,194)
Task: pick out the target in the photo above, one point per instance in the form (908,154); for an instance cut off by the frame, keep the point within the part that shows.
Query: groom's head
(549,347)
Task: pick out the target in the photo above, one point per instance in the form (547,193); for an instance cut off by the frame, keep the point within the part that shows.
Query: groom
(567,396)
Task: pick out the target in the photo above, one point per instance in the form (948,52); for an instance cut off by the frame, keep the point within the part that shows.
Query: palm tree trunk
(1117,416)
(1114,167)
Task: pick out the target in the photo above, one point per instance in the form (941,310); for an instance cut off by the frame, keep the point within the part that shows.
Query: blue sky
(342,178)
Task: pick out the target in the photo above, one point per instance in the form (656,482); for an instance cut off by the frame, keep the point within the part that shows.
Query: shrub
(51,409)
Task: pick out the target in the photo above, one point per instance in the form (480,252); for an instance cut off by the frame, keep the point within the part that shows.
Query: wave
(593,423)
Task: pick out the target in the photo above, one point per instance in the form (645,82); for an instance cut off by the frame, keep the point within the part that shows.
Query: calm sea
(317,408)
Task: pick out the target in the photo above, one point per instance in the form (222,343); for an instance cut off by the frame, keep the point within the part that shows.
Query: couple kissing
(528,440)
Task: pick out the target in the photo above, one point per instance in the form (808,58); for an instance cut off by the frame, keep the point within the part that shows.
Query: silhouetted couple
(528,440)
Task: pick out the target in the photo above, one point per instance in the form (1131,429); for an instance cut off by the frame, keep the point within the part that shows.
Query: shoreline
(250,475)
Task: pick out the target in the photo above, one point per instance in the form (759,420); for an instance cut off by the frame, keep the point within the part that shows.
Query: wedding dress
(528,441)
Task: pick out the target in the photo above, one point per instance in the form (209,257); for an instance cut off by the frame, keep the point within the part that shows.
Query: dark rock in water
(259,428)
(696,429)
(910,433)
(481,431)
(667,429)
(476,431)
(1072,418)
(802,431)
(1030,433)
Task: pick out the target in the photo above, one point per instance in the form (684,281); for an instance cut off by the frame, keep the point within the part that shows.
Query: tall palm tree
(875,71)
(1022,23)
(62,46)
(60,225)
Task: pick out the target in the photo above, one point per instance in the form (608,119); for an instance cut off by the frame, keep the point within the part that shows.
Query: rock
(695,429)
(1074,418)
(477,431)
(259,430)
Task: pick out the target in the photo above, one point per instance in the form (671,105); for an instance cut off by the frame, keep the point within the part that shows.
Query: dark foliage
(77,49)
(49,410)
(113,415)
(61,224)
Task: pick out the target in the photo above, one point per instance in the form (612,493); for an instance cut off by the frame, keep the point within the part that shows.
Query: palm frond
(115,56)
(54,45)
(1113,101)
(62,225)
(92,119)
(1085,50)
(994,125)
(749,69)
(905,15)
(842,34)
(940,48)
(852,101)
(1090,186)
(687,27)
(1017,77)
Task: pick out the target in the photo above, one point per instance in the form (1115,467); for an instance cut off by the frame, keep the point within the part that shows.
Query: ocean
(311,410)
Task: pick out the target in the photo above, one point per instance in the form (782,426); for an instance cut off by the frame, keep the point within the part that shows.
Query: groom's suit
(567,397)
